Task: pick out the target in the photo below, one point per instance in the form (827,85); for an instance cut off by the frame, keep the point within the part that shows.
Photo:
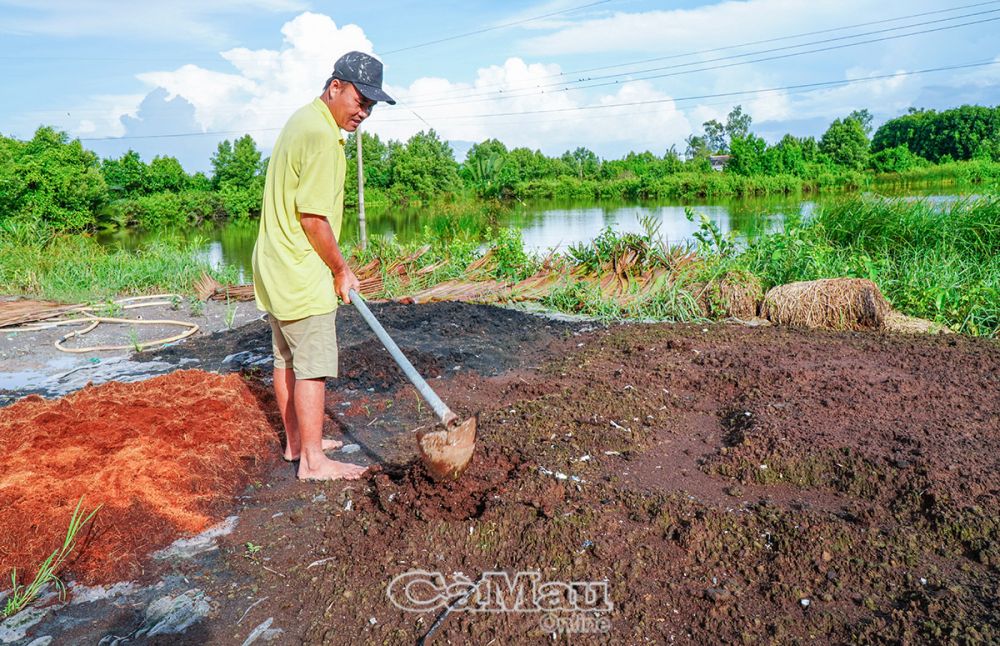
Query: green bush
(895,160)
(512,263)
(36,261)
(51,179)
(242,203)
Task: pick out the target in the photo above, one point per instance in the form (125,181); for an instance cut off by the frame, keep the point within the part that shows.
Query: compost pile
(727,483)
(162,458)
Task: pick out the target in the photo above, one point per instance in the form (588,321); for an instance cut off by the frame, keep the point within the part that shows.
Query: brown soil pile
(731,485)
(162,456)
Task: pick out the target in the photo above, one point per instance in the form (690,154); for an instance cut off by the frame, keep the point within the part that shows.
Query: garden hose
(92,321)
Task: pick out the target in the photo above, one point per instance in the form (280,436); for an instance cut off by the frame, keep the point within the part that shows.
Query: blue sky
(614,75)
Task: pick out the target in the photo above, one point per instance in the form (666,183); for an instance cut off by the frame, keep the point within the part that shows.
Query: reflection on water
(544,225)
(230,244)
(558,228)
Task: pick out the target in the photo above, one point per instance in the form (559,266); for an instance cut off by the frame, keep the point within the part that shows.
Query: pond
(544,225)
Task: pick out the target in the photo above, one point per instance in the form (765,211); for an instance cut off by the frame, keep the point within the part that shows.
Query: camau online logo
(565,606)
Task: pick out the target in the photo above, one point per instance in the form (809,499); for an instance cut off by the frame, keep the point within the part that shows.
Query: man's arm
(320,236)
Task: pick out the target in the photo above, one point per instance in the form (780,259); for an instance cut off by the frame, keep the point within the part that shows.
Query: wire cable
(474,98)
(388,53)
(797,89)
(477,96)
(493,28)
(571,85)
(746,44)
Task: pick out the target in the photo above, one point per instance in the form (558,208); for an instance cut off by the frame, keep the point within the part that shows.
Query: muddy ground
(715,484)
(31,364)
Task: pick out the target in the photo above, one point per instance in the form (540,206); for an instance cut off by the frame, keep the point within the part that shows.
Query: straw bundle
(831,303)
(899,322)
(735,295)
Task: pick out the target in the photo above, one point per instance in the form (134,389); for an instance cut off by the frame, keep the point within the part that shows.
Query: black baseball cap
(365,73)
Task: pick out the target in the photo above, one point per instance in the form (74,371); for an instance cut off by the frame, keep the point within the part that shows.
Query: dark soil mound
(728,484)
(438,338)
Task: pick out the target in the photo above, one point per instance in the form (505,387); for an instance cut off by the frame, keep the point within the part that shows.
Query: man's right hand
(344,281)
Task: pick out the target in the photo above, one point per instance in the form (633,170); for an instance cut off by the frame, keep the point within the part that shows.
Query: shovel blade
(446,452)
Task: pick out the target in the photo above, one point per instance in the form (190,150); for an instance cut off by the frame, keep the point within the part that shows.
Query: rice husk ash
(829,303)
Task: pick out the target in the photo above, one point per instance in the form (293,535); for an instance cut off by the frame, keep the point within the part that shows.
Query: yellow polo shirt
(305,175)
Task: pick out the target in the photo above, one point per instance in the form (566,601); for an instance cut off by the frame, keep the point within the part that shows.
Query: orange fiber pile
(164,457)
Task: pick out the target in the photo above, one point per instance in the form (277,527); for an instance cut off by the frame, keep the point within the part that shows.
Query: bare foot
(328,469)
(328,445)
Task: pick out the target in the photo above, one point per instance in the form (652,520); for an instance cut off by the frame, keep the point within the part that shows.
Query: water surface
(544,225)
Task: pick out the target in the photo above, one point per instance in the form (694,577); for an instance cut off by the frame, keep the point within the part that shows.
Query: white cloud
(507,101)
(157,20)
(217,97)
(890,95)
(658,126)
(100,117)
(553,121)
(268,85)
(682,39)
(456,110)
(713,25)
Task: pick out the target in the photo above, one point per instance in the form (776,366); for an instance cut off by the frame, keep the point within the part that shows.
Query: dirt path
(714,484)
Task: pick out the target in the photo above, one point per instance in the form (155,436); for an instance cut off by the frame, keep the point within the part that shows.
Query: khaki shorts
(308,346)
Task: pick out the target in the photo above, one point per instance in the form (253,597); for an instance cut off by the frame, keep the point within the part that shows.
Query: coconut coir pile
(162,456)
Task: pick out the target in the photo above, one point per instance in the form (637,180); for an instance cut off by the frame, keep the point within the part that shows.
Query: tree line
(55,180)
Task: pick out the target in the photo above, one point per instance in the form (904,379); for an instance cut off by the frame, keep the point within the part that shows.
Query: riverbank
(932,261)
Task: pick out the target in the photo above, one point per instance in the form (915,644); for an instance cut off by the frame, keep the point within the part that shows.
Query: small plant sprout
(22,595)
(197,306)
(231,308)
(133,339)
(252,550)
(110,309)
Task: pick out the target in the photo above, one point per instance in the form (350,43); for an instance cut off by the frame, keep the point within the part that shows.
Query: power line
(746,44)
(563,87)
(800,86)
(180,134)
(797,89)
(541,90)
(388,53)
(494,28)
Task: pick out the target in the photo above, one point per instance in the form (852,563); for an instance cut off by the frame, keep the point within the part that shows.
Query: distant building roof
(719,161)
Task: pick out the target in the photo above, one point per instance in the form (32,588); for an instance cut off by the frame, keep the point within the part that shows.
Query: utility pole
(361,193)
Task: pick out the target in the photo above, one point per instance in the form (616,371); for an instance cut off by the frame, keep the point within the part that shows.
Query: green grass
(670,301)
(934,262)
(35,261)
(965,173)
(22,595)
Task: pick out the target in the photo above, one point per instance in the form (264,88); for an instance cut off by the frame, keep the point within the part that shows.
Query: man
(298,269)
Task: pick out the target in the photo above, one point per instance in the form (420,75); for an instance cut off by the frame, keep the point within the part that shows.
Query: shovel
(445,452)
